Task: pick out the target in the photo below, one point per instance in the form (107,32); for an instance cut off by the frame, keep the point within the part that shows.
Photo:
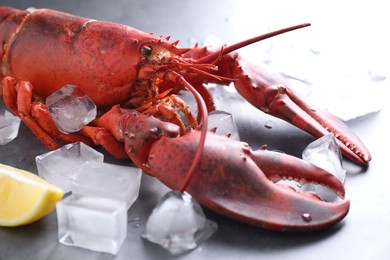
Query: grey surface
(363,234)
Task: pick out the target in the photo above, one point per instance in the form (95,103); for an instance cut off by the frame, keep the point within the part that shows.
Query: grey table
(363,234)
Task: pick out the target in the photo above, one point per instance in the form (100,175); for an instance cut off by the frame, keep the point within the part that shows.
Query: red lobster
(132,77)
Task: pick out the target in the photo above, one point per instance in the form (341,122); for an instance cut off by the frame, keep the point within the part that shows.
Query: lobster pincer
(278,99)
(230,178)
(229,181)
(271,93)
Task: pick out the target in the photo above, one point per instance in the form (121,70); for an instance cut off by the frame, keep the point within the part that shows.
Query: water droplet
(134,219)
(306,217)
(268,125)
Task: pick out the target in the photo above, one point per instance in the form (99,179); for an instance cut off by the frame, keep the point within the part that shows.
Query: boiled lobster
(133,77)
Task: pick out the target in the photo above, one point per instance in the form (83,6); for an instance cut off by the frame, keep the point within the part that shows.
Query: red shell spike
(175,43)
(213,130)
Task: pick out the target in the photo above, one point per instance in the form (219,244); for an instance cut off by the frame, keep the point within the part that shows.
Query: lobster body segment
(101,58)
(133,76)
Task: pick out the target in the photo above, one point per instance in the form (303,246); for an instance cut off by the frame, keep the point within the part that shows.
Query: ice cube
(107,180)
(94,223)
(70,109)
(178,223)
(224,124)
(59,165)
(9,126)
(325,153)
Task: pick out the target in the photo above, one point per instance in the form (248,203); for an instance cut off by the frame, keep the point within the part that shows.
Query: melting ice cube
(70,109)
(107,180)
(178,223)
(9,126)
(325,153)
(224,124)
(95,223)
(59,165)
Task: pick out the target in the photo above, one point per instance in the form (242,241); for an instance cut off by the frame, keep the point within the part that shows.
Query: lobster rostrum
(133,77)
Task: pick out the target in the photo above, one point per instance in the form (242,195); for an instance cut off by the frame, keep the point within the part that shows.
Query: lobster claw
(271,94)
(228,180)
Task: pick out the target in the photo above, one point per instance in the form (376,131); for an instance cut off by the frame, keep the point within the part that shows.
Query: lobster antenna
(233,47)
(203,133)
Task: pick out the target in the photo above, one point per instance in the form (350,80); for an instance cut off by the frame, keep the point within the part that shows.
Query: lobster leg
(100,136)
(18,98)
(271,94)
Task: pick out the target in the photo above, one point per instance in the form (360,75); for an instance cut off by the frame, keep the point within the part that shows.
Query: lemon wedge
(25,197)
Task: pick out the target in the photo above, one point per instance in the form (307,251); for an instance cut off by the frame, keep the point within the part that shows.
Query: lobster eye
(146,50)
